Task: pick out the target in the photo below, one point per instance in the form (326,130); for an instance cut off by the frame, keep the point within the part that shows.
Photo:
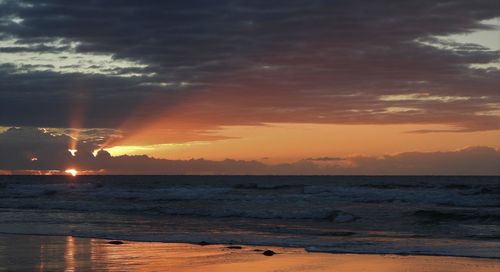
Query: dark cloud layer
(36,149)
(20,145)
(250,62)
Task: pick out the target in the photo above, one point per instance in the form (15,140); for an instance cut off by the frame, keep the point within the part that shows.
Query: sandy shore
(56,253)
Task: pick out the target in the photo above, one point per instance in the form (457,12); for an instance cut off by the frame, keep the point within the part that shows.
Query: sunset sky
(250,87)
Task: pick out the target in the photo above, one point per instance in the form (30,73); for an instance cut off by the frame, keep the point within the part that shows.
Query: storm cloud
(207,64)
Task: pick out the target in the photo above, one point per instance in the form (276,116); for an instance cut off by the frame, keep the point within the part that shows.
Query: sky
(250,87)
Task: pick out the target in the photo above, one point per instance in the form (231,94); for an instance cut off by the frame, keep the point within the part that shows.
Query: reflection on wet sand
(69,256)
(52,253)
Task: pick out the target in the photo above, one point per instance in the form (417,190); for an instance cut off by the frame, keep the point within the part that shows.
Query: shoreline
(204,243)
(23,252)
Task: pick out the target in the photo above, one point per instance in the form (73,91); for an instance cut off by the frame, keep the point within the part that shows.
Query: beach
(67,253)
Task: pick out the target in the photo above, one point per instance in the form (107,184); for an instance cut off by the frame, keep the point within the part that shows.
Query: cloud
(200,65)
(19,146)
(467,161)
(325,159)
(32,148)
(38,149)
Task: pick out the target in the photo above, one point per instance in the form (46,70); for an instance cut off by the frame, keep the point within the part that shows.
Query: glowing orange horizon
(276,143)
(183,131)
(195,129)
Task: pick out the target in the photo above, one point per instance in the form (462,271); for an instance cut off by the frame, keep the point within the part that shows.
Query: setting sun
(72,172)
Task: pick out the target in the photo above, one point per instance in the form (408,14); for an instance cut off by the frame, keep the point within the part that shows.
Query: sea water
(456,216)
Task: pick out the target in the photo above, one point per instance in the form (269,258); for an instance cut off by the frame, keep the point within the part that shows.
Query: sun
(72,172)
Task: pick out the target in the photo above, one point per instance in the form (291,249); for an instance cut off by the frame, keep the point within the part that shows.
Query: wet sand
(57,253)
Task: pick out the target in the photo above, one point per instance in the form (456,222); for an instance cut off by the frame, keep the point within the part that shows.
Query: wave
(285,199)
(435,217)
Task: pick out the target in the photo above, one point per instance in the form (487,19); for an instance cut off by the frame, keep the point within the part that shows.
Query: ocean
(426,215)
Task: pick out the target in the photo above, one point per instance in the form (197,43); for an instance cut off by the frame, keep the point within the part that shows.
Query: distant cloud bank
(32,150)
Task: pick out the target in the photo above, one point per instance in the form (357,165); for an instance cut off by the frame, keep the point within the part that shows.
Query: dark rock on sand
(234,247)
(268,253)
(203,243)
(115,242)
